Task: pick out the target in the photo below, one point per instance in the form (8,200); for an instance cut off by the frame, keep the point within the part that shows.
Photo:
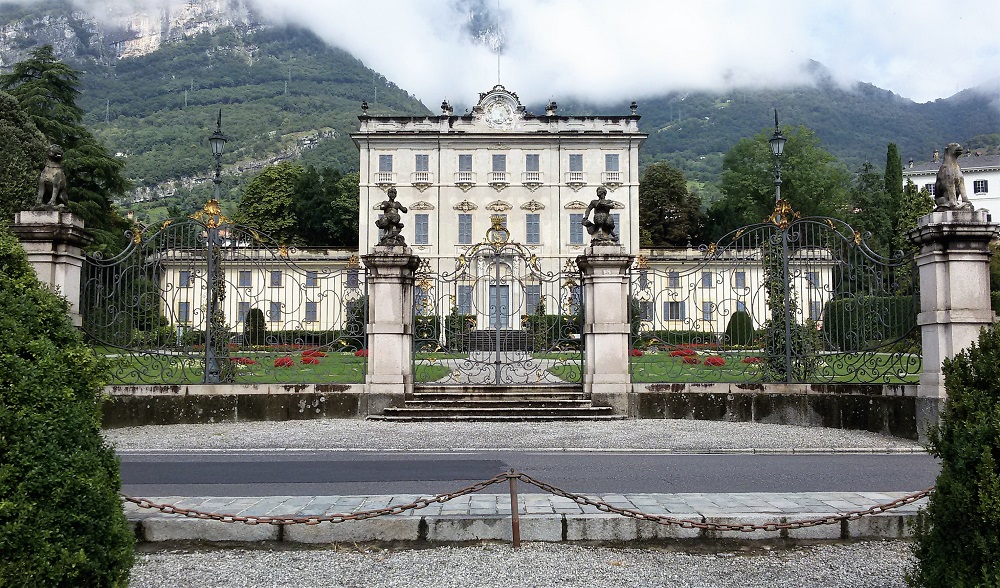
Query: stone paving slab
(544,517)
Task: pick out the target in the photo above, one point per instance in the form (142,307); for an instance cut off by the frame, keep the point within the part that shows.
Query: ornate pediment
(422,205)
(532,206)
(499,206)
(465,206)
(575,205)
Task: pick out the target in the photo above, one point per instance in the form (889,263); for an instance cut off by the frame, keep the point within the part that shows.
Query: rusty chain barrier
(512,477)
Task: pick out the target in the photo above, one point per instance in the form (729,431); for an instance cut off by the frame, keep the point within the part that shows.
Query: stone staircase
(522,403)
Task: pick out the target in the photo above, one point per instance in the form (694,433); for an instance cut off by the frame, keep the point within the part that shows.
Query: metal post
(788,317)
(496,314)
(515,522)
(211,362)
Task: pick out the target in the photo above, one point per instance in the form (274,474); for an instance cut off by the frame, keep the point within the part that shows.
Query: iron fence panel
(792,300)
(197,300)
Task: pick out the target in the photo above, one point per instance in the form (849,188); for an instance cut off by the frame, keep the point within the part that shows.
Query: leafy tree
(958,543)
(871,210)
(268,203)
(344,210)
(47,89)
(915,203)
(61,519)
(668,213)
(812,181)
(326,205)
(23,157)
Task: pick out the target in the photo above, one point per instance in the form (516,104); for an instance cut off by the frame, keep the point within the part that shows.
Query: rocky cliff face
(114,31)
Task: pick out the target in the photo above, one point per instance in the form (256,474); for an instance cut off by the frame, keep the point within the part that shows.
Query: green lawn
(856,368)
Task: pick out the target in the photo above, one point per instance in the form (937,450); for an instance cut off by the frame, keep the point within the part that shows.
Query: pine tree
(23,156)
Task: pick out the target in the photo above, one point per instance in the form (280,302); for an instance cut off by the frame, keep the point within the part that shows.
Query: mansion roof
(967,162)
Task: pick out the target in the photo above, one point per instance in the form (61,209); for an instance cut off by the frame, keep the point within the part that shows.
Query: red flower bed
(361,353)
(690,359)
(637,353)
(751,359)
(714,360)
(310,360)
(284,362)
(682,353)
(244,360)
(313,353)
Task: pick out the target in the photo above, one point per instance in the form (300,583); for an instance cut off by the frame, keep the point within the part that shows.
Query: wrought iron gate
(200,299)
(789,300)
(499,315)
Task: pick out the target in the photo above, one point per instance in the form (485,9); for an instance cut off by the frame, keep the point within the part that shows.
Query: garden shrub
(958,541)
(865,323)
(254,327)
(740,331)
(995,301)
(61,518)
(674,338)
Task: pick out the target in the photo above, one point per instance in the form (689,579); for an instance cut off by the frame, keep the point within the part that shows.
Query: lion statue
(949,189)
(52,191)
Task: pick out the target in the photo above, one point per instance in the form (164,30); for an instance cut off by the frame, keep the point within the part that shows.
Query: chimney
(937,156)
(550,108)
(909,164)
(446,109)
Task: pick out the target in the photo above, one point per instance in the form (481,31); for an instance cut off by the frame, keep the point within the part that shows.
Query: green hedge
(673,338)
(61,518)
(864,323)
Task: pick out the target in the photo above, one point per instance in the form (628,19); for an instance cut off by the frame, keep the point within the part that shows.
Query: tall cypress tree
(893,178)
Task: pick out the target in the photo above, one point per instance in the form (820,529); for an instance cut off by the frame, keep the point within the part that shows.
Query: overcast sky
(625,49)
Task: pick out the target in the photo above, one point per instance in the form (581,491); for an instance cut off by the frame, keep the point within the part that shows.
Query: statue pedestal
(54,241)
(606,378)
(954,265)
(390,326)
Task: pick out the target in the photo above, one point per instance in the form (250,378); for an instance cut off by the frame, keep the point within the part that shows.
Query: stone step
(497,403)
(514,411)
(493,418)
(505,397)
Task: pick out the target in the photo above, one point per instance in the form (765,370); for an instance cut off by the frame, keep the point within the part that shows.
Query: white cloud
(607,50)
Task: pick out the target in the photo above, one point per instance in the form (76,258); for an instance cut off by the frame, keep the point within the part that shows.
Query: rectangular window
(385,163)
(185,279)
(674,311)
(706,311)
(815,309)
(421,163)
(312,277)
(980,187)
(533,228)
(531,162)
(352,279)
(812,278)
(611,162)
(576,162)
(532,298)
(465,229)
(465,162)
(646,311)
(242,311)
(184,312)
(673,279)
(276,278)
(575,229)
(618,224)
(740,278)
(464,299)
(311,312)
(707,280)
(274,312)
(420,229)
(245,279)
(499,162)
(929,188)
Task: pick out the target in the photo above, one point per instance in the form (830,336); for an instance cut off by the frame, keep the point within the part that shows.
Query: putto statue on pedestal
(389,222)
(52,192)
(602,229)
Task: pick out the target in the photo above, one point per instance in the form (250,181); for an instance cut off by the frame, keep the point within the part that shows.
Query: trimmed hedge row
(868,322)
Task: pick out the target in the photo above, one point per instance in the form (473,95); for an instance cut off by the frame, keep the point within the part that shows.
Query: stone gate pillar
(954,266)
(606,377)
(54,241)
(390,326)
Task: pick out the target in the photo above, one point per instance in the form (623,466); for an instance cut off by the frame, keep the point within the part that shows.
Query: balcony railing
(498,177)
(576,177)
(421,177)
(385,178)
(531,177)
(463,177)
(612,178)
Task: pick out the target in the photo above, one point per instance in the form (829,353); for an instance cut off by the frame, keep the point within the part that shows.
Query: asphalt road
(332,473)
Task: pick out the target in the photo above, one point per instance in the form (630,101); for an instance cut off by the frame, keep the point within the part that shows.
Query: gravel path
(664,435)
(858,565)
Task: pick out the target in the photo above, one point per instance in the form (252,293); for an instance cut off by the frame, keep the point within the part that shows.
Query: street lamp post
(215,352)
(777,142)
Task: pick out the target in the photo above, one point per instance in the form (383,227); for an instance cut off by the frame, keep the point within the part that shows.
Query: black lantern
(777,140)
(218,140)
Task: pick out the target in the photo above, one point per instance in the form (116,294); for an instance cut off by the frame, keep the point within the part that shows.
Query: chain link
(554,490)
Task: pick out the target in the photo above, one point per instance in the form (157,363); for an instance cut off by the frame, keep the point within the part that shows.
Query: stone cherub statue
(52,192)
(949,189)
(389,222)
(602,229)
